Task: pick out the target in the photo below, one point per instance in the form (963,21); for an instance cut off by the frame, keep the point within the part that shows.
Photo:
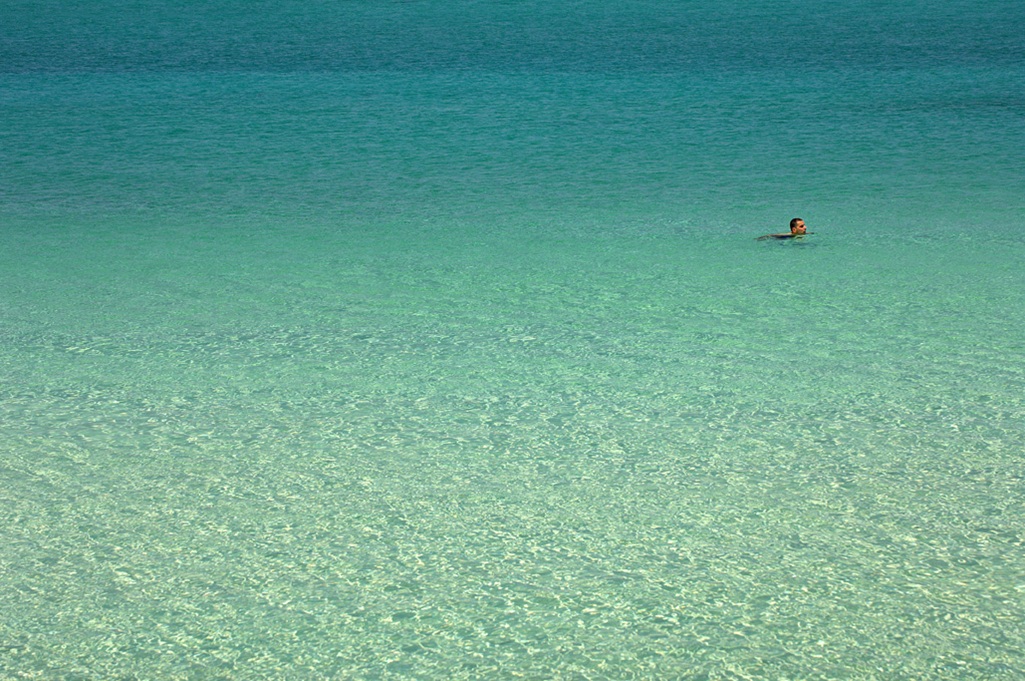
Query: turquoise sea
(367,339)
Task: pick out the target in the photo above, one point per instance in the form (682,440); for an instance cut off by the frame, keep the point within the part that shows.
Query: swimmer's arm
(785,235)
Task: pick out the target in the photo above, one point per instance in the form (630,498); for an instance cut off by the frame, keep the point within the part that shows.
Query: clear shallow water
(450,353)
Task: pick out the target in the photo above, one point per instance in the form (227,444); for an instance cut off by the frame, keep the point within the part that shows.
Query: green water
(393,341)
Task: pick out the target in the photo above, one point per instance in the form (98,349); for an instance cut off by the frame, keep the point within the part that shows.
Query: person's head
(797,226)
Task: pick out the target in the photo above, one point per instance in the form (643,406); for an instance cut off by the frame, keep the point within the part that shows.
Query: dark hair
(794,222)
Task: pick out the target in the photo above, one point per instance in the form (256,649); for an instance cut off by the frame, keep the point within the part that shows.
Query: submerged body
(797,228)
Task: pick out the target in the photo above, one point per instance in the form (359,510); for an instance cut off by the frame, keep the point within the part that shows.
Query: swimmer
(797,228)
